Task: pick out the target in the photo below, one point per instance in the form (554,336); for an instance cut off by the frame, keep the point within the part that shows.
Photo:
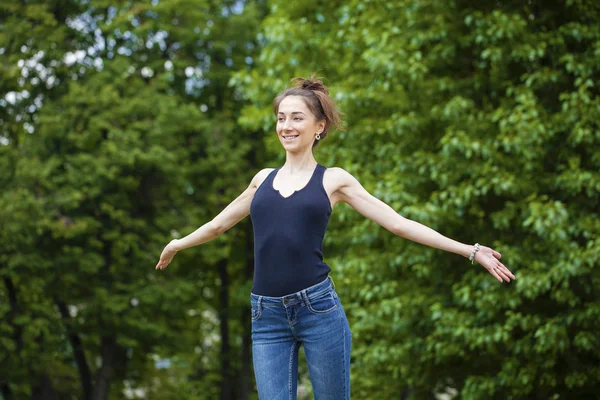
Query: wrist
(466,250)
(474,251)
(175,244)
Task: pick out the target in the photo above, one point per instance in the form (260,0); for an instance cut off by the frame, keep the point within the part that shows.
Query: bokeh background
(124,124)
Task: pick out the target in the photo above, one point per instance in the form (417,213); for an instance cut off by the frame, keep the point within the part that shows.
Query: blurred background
(124,124)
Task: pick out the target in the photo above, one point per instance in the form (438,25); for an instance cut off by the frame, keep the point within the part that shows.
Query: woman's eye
(298,119)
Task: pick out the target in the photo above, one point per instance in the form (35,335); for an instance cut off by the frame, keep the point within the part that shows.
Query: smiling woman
(294,302)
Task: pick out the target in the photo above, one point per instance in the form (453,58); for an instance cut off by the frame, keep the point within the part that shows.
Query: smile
(290,138)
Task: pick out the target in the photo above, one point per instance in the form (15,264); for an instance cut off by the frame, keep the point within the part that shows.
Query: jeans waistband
(295,298)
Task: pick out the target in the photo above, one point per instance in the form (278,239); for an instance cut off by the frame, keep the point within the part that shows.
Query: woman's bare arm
(237,210)
(350,191)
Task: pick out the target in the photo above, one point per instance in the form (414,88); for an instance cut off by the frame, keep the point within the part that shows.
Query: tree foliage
(127,123)
(121,134)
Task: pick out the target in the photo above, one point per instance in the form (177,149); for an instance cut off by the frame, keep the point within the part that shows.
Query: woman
(293,299)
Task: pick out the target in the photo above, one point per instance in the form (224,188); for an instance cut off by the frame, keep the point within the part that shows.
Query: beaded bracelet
(475,250)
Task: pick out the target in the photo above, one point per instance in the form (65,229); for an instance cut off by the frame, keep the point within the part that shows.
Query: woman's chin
(292,147)
(289,144)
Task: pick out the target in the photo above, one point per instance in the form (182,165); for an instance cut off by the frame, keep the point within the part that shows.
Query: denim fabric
(312,317)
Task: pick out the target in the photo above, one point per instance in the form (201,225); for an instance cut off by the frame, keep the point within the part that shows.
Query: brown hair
(316,97)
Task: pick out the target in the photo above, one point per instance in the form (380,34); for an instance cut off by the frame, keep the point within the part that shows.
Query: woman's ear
(321,126)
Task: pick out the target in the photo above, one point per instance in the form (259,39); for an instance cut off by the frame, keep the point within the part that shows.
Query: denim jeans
(312,317)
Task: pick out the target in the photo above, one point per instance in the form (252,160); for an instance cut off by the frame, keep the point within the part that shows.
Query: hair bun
(313,83)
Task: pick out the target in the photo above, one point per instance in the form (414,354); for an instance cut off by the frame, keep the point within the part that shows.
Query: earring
(318,136)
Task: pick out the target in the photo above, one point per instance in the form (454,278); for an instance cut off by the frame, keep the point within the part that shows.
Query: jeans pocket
(322,303)
(256,310)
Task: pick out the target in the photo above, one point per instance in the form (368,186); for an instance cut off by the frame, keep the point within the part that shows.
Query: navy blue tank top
(288,236)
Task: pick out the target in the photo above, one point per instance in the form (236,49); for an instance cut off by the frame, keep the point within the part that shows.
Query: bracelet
(475,250)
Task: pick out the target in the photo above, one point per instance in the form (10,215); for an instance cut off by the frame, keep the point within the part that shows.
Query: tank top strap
(316,182)
(319,174)
(271,175)
(269,179)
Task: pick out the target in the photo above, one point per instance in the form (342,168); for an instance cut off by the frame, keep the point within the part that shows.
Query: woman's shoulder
(337,177)
(261,175)
(337,173)
(265,171)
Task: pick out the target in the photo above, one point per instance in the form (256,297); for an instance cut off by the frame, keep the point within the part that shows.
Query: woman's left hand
(490,260)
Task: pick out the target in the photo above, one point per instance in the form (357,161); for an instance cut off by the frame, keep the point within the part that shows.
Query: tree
(121,153)
(30,72)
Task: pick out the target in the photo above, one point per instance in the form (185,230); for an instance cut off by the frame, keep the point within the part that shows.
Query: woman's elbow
(400,228)
(397,230)
(216,228)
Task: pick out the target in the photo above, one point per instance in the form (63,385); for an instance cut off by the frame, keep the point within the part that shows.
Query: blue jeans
(312,317)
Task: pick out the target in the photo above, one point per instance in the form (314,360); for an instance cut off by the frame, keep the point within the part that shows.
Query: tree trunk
(42,389)
(78,353)
(12,313)
(226,384)
(108,344)
(246,321)
(6,392)
(105,374)
(41,385)
(17,334)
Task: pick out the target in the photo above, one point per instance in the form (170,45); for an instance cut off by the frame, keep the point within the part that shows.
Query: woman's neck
(299,162)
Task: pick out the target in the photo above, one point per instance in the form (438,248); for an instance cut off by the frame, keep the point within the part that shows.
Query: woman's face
(297,126)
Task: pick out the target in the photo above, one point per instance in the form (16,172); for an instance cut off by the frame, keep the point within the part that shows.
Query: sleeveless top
(288,236)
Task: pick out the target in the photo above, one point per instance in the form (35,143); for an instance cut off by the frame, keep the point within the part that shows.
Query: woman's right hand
(167,254)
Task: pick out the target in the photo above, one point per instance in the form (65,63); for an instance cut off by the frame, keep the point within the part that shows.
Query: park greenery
(126,123)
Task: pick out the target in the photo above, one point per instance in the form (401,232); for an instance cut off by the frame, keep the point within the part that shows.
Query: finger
(496,254)
(498,277)
(505,270)
(494,273)
(498,273)
(503,275)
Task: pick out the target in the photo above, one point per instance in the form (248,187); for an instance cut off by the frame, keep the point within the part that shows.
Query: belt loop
(304,296)
(332,282)
(259,303)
